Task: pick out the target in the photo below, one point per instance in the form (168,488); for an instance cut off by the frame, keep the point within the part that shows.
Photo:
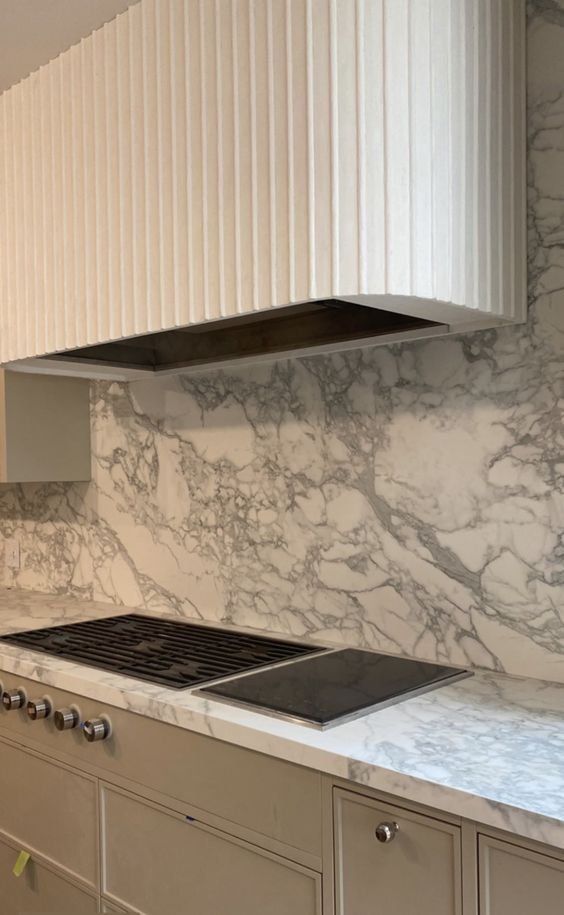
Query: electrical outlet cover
(12,553)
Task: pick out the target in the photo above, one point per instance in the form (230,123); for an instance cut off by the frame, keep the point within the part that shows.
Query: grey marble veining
(490,748)
(407,497)
(23,610)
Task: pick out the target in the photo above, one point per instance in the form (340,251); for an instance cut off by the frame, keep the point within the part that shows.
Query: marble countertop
(489,748)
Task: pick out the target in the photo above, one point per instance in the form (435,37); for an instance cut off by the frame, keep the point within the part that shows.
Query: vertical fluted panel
(124,247)
(20,235)
(3,223)
(198,159)
(8,320)
(423,155)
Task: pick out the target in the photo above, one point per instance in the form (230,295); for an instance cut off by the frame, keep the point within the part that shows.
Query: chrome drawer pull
(386,832)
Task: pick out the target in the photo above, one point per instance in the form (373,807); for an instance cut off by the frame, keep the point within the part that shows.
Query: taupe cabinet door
(516,881)
(39,890)
(416,873)
(160,862)
(51,809)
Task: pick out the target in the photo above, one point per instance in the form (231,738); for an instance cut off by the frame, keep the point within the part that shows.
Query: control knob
(13,699)
(39,708)
(96,729)
(67,718)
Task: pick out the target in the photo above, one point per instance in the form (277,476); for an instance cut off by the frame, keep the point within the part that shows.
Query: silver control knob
(13,699)
(386,832)
(39,708)
(96,729)
(67,718)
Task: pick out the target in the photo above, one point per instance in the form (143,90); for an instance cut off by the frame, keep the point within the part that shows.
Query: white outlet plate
(12,553)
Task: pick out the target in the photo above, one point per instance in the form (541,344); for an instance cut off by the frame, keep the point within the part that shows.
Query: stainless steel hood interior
(317,326)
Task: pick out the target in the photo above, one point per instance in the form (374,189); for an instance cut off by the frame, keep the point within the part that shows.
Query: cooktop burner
(333,687)
(172,653)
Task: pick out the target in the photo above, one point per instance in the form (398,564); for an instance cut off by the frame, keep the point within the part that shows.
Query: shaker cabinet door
(39,890)
(516,881)
(160,862)
(413,869)
(51,809)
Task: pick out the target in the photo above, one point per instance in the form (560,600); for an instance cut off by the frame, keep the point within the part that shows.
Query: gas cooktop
(168,652)
(316,686)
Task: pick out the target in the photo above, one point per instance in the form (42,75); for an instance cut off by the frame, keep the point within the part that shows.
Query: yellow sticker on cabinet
(21,863)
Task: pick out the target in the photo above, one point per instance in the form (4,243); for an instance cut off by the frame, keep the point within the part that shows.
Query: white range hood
(199,161)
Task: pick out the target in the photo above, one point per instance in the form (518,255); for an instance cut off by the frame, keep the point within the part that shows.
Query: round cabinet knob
(386,832)
(13,699)
(39,708)
(67,718)
(96,729)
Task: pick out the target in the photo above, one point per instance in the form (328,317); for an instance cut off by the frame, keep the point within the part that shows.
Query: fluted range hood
(203,182)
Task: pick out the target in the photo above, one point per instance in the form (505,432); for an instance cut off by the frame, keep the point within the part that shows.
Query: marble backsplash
(409,498)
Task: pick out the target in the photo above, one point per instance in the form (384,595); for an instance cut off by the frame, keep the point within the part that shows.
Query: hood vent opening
(317,326)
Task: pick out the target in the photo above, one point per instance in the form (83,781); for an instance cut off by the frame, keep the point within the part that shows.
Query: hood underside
(312,326)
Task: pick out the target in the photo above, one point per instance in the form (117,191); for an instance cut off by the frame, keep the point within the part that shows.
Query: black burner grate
(168,652)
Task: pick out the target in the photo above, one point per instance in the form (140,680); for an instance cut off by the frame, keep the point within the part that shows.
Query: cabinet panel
(49,808)
(39,890)
(416,873)
(44,428)
(162,863)
(516,881)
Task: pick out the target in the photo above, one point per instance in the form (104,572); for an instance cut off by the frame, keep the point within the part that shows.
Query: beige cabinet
(161,821)
(44,428)
(267,801)
(161,862)
(39,890)
(416,872)
(517,881)
(51,809)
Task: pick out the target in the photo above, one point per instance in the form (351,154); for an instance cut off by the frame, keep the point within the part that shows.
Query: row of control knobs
(65,719)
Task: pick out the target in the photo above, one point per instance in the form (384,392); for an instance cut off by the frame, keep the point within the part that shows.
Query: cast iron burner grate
(168,652)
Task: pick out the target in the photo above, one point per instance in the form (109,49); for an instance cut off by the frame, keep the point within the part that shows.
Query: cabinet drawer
(230,782)
(51,809)
(418,872)
(517,881)
(160,862)
(39,890)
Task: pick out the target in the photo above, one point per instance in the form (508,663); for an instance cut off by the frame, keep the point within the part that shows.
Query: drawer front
(39,890)
(230,782)
(517,881)
(159,862)
(418,872)
(51,809)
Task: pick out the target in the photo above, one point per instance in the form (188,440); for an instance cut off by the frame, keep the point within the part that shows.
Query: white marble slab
(490,748)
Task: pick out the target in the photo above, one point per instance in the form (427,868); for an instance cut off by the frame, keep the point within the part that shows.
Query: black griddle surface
(336,685)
